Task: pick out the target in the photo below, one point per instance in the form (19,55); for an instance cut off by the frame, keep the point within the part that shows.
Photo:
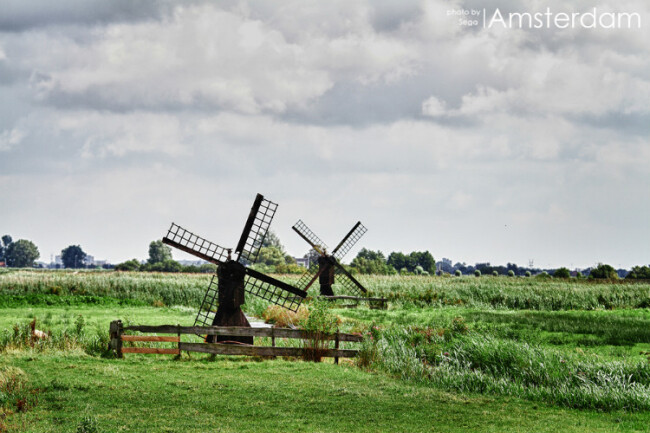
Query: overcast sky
(477,144)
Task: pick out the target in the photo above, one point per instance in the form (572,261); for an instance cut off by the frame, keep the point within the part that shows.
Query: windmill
(329,265)
(233,277)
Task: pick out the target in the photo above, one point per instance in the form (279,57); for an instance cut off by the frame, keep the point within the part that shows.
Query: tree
(399,261)
(603,271)
(562,273)
(639,273)
(21,254)
(416,258)
(73,257)
(130,265)
(372,262)
(371,255)
(271,256)
(272,240)
(159,252)
(424,259)
(6,241)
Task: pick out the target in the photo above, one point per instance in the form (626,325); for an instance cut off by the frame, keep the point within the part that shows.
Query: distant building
(2,264)
(302,261)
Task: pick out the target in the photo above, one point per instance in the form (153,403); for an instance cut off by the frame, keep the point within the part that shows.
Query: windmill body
(233,279)
(329,265)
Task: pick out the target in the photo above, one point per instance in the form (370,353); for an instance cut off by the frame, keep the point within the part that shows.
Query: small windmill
(329,265)
(233,277)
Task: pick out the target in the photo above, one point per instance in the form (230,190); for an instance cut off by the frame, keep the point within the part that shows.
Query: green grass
(591,330)
(142,394)
(524,352)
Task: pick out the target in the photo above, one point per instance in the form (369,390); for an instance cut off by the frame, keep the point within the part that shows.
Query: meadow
(450,354)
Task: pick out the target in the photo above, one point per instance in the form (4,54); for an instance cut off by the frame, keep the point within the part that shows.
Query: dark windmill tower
(329,265)
(233,277)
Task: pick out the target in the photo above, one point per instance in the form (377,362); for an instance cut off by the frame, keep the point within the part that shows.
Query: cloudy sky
(476,143)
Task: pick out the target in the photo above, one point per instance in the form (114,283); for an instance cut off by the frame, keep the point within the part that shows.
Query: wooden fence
(117,331)
(374,303)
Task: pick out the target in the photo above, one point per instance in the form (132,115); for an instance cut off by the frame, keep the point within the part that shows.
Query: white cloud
(434,107)
(10,138)
(435,134)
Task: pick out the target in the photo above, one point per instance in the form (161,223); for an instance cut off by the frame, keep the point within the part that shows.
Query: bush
(319,324)
(528,274)
(639,273)
(562,273)
(458,273)
(477,273)
(282,317)
(511,273)
(130,265)
(603,271)
(495,273)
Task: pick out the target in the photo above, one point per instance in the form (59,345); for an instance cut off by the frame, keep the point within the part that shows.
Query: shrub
(130,265)
(495,273)
(562,273)
(511,273)
(458,273)
(319,324)
(528,274)
(639,273)
(603,271)
(282,317)
(477,273)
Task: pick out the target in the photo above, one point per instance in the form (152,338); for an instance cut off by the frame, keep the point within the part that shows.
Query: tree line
(274,258)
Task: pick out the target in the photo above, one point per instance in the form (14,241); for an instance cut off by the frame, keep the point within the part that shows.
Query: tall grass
(477,363)
(73,337)
(500,292)
(511,293)
(148,288)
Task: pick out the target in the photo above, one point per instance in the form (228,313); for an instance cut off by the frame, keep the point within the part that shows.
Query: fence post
(179,339)
(273,339)
(336,346)
(115,332)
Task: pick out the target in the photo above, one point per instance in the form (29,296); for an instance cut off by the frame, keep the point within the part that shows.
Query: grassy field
(450,354)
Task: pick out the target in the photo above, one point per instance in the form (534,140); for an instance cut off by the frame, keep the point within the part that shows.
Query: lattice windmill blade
(187,241)
(308,278)
(274,291)
(208,308)
(349,240)
(309,236)
(348,281)
(255,229)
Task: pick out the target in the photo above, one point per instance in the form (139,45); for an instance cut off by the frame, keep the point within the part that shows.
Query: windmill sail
(349,240)
(208,309)
(187,241)
(348,281)
(309,236)
(274,291)
(255,229)
(308,278)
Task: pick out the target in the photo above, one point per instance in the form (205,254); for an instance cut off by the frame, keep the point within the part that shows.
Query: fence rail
(373,303)
(118,337)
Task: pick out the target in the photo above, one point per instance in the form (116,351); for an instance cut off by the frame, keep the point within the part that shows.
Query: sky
(479,143)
